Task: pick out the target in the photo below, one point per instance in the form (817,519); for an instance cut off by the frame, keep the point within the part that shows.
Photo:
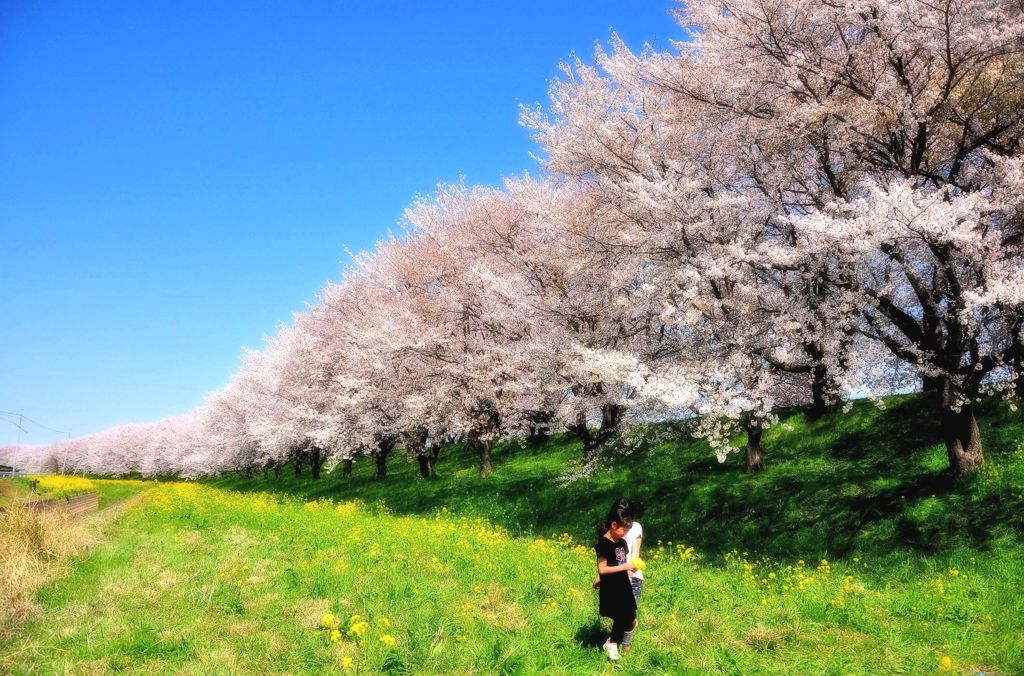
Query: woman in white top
(634,538)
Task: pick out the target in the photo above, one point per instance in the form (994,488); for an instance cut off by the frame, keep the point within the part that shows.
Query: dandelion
(946,663)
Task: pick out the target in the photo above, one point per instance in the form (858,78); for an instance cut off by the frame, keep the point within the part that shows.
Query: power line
(34,422)
(17,425)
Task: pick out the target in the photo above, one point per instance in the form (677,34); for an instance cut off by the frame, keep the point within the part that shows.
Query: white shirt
(634,533)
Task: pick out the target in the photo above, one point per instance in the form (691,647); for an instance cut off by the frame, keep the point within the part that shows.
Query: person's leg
(622,623)
(638,588)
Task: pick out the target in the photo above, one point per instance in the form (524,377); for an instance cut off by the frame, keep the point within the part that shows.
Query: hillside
(869,481)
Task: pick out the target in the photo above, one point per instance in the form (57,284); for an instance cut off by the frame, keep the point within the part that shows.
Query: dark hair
(633,508)
(615,515)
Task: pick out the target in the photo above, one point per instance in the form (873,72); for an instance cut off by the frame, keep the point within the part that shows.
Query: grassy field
(852,553)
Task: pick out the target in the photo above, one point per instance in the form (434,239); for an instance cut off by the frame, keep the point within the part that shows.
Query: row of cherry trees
(802,202)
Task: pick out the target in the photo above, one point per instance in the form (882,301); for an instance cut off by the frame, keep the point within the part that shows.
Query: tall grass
(35,546)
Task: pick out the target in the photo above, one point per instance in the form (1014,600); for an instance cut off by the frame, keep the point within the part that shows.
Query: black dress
(616,595)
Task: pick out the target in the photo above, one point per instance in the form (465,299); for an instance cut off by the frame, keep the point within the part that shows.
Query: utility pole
(17,446)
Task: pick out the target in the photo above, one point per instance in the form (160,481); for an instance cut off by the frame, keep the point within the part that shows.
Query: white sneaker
(612,650)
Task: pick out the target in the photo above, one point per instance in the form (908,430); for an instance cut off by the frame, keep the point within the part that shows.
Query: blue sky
(177,178)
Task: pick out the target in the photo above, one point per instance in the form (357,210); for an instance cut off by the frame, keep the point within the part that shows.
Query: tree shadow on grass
(870,481)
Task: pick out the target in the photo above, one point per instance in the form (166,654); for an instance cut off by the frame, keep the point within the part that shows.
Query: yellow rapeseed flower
(639,563)
(946,663)
(347,662)
(329,621)
(389,640)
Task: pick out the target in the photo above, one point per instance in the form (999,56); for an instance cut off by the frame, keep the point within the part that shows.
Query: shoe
(612,650)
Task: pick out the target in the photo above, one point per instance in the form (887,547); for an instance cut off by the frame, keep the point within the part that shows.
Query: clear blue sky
(177,178)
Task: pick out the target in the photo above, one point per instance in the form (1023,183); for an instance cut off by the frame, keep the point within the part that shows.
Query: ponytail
(617,514)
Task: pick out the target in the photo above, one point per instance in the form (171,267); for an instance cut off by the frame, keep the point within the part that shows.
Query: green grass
(869,481)
(471,575)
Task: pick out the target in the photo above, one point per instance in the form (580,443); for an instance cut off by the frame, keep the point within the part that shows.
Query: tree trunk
(346,468)
(755,453)
(1017,357)
(540,428)
(316,459)
(277,469)
(298,467)
(385,444)
(821,387)
(960,432)
(484,452)
(427,458)
(931,385)
(426,470)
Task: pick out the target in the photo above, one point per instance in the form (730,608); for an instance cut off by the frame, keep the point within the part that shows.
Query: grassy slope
(869,481)
(217,581)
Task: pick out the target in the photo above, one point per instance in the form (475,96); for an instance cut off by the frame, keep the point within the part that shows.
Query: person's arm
(604,569)
(636,545)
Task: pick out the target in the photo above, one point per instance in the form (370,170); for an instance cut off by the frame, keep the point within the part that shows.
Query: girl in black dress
(613,567)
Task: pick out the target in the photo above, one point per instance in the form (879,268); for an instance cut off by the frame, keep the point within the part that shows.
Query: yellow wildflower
(639,563)
(946,663)
(329,621)
(388,639)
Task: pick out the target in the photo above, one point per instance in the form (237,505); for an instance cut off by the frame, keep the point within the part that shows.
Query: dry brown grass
(34,547)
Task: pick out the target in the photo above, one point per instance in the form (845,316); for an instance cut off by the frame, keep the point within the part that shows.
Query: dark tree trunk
(426,470)
(346,468)
(821,389)
(755,453)
(483,453)
(540,429)
(248,471)
(277,469)
(427,459)
(385,444)
(1017,357)
(481,440)
(298,466)
(931,385)
(611,416)
(960,432)
(316,460)
(426,454)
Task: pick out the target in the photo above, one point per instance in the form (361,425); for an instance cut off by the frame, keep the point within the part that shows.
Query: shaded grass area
(869,481)
(202,580)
